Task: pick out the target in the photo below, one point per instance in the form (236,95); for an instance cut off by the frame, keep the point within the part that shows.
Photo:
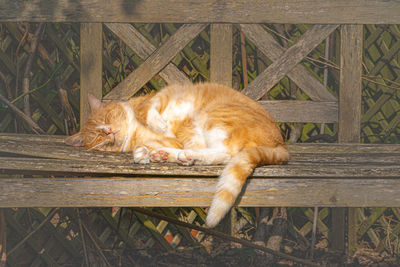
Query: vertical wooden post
(91,66)
(351,50)
(221,54)
(221,72)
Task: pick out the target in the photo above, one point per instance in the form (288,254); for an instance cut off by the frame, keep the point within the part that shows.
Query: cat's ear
(95,103)
(75,140)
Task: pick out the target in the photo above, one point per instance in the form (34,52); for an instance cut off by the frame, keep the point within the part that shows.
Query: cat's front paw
(159,156)
(141,155)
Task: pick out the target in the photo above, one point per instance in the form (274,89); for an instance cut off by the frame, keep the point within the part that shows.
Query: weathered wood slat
(143,48)
(292,56)
(351,47)
(221,54)
(302,111)
(351,51)
(91,65)
(101,192)
(227,11)
(154,63)
(273,50)
(361,168)
(48,146)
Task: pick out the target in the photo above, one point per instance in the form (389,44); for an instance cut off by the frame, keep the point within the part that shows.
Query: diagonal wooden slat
(271,48)
(143,48)
(293,56)
(157,61)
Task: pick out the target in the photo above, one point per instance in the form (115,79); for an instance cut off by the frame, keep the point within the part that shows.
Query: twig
(82,237)
(378,83)
(39,87)
(96,245)
(48,218)
(224,236)
(34,127)
(3,239)
(28,66)
(8,89)
(314,232)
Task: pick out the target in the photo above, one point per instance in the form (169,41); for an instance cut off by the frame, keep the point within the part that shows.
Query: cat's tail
(234,175)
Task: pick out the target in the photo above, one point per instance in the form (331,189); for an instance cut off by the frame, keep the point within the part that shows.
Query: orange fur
(190,124)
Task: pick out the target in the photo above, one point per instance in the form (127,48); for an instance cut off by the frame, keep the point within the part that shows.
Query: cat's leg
(161,150)
(204,156)
(154,119)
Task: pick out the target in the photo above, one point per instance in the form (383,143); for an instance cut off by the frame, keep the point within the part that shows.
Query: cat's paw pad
(185,159)
(159,156)
(141,155)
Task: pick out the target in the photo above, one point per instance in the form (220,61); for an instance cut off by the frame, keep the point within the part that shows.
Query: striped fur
(190,124)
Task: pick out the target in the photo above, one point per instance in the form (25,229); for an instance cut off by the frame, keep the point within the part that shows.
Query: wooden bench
(345,174)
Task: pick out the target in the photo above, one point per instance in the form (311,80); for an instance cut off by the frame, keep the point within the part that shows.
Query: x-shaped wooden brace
(286,62)
(157,60)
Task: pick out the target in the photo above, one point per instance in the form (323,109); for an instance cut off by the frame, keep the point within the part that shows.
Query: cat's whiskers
(100,145)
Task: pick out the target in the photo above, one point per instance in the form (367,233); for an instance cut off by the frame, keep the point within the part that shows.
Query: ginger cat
(200,124)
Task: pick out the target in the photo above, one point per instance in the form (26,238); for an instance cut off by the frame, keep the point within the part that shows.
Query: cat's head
(104,129)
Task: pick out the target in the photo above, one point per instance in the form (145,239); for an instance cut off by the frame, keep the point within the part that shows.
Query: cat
(201,124)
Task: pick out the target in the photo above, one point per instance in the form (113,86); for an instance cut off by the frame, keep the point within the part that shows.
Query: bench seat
(57,175)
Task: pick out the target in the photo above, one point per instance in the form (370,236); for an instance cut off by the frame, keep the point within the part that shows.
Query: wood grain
(344,175)
(178,192)
(143,48)
(302,111)
(292,56)
(360,168)
(273,50)
(206,11)
(221,54)
(154,63)
(91,66)
(351,49)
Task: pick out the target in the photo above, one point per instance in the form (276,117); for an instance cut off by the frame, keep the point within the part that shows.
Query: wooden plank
(53,147)
(91,66)
(361,167)
(120,192)
(143,48)
(273,50)
(292,56)
(351,49)
(221,54)
(227,11)
(302,111)
(157,61)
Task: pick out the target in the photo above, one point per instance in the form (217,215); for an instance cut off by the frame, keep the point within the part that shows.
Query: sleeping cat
(200,124)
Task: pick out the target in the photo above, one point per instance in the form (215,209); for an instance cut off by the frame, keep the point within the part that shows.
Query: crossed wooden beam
(285,61)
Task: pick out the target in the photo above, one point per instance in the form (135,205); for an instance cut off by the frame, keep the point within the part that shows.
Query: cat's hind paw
(141,155)
(159,156)
(185,159)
